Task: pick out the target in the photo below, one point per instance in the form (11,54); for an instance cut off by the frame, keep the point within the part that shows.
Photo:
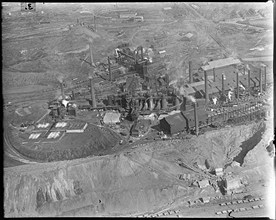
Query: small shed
(232,184)
(205,199)
(219,171)
(111,118)
(203,183)
(173,123)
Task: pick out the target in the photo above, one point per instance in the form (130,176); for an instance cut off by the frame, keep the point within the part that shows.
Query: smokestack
(164,103)
(184,103)
(151,103)
(62,90)
(261,81)
(249,79)
(238,90)
(109,69)
(95,23)
(222,86)
(190,72)
(177,103)
(73,95)
(265,78)
(196,119)
(91,55)
(93,98)
(142,55)
(214,74)
(206,88)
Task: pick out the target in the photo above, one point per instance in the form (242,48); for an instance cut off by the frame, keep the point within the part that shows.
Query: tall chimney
(190,72)
(73,95)
(238,90)
(151,103)
(206,88)
(249,80)
(184,103)
(261,81)
(265,78)
(95,23)
(109,69)
(177,103)
(62,90)
(91,55)
(93,98)
(164,103)
(222,86)
(196,119)
(214,73)
(142,55)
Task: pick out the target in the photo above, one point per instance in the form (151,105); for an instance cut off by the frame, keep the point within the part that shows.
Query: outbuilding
(173,123)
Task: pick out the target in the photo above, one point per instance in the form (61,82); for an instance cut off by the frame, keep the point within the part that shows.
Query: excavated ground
(136,181)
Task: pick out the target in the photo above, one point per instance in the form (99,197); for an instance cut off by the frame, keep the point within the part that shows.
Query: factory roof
(220,63)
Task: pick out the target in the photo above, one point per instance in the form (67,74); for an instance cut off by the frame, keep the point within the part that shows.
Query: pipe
(238,90)
(206,88)
(109,69)
(261,81)
(214,73)
(196,119)
(93,98)
(190,72)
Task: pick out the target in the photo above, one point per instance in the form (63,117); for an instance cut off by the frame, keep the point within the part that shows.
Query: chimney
(142,55)
(177,103)
(214,74)
(164,103)
(238,89)
(62,90)
(261,81)
(91,54)
(190,72)
(151,103)
(93,98)
(222,86)
(184,103)
(249,80)
(109,69)
(265,78)
(73,95)
(196,119)
(95,23)
(206,88)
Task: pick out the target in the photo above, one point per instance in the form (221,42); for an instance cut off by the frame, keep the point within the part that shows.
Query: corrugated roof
(220,63)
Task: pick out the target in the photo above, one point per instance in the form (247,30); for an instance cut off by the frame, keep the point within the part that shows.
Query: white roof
(111,118)
(221,63)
